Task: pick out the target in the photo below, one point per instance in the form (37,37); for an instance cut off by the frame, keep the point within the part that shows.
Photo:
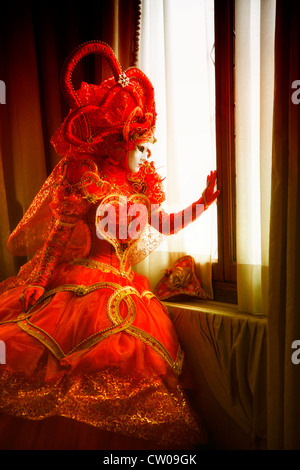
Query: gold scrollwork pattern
(107,400)
(119,323)
(123,250)
(106,268)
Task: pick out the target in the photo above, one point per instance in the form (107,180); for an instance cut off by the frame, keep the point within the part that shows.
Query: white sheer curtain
(176,52)
(254,85)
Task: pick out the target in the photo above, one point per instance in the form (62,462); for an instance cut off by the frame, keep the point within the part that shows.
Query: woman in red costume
(92,357)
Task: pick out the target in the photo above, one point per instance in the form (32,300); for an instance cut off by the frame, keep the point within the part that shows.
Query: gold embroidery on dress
(106,268)
(123,250)
(114,302)
(98,399)
(158,347)
(120,293)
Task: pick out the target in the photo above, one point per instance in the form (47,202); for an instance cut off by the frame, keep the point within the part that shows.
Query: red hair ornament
(109,119)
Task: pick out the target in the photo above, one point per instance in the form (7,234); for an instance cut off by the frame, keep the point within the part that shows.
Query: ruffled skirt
(99,354)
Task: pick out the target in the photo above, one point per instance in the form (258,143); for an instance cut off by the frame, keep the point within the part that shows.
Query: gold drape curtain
(254,80)
(35,39)
(284,277)
(230,350)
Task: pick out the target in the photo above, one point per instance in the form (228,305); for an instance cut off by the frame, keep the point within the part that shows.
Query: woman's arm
(169,224)
(68,206)
(50,256)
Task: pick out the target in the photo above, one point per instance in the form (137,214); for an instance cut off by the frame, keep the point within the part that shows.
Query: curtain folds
(284,300)
(230,350)
(254,83)
(35,39)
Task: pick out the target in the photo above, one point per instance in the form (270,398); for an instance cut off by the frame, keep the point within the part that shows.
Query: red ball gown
(95,362)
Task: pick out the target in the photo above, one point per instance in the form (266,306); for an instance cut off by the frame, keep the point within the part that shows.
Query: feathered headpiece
(109,119)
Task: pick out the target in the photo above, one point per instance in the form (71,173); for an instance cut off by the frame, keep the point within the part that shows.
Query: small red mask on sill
(180,280)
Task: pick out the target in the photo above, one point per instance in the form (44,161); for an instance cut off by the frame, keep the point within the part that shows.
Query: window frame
(224,269)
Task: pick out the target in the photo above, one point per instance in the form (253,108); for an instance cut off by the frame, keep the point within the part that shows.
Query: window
(224,269)
(187,52)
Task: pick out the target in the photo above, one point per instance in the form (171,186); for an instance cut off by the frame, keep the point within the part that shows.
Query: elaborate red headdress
(109,119)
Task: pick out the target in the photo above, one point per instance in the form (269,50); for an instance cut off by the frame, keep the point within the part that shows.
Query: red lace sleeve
(169,224)
(68,207)
(80,187)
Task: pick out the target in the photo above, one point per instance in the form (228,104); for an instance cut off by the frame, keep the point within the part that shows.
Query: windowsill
(213,307)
